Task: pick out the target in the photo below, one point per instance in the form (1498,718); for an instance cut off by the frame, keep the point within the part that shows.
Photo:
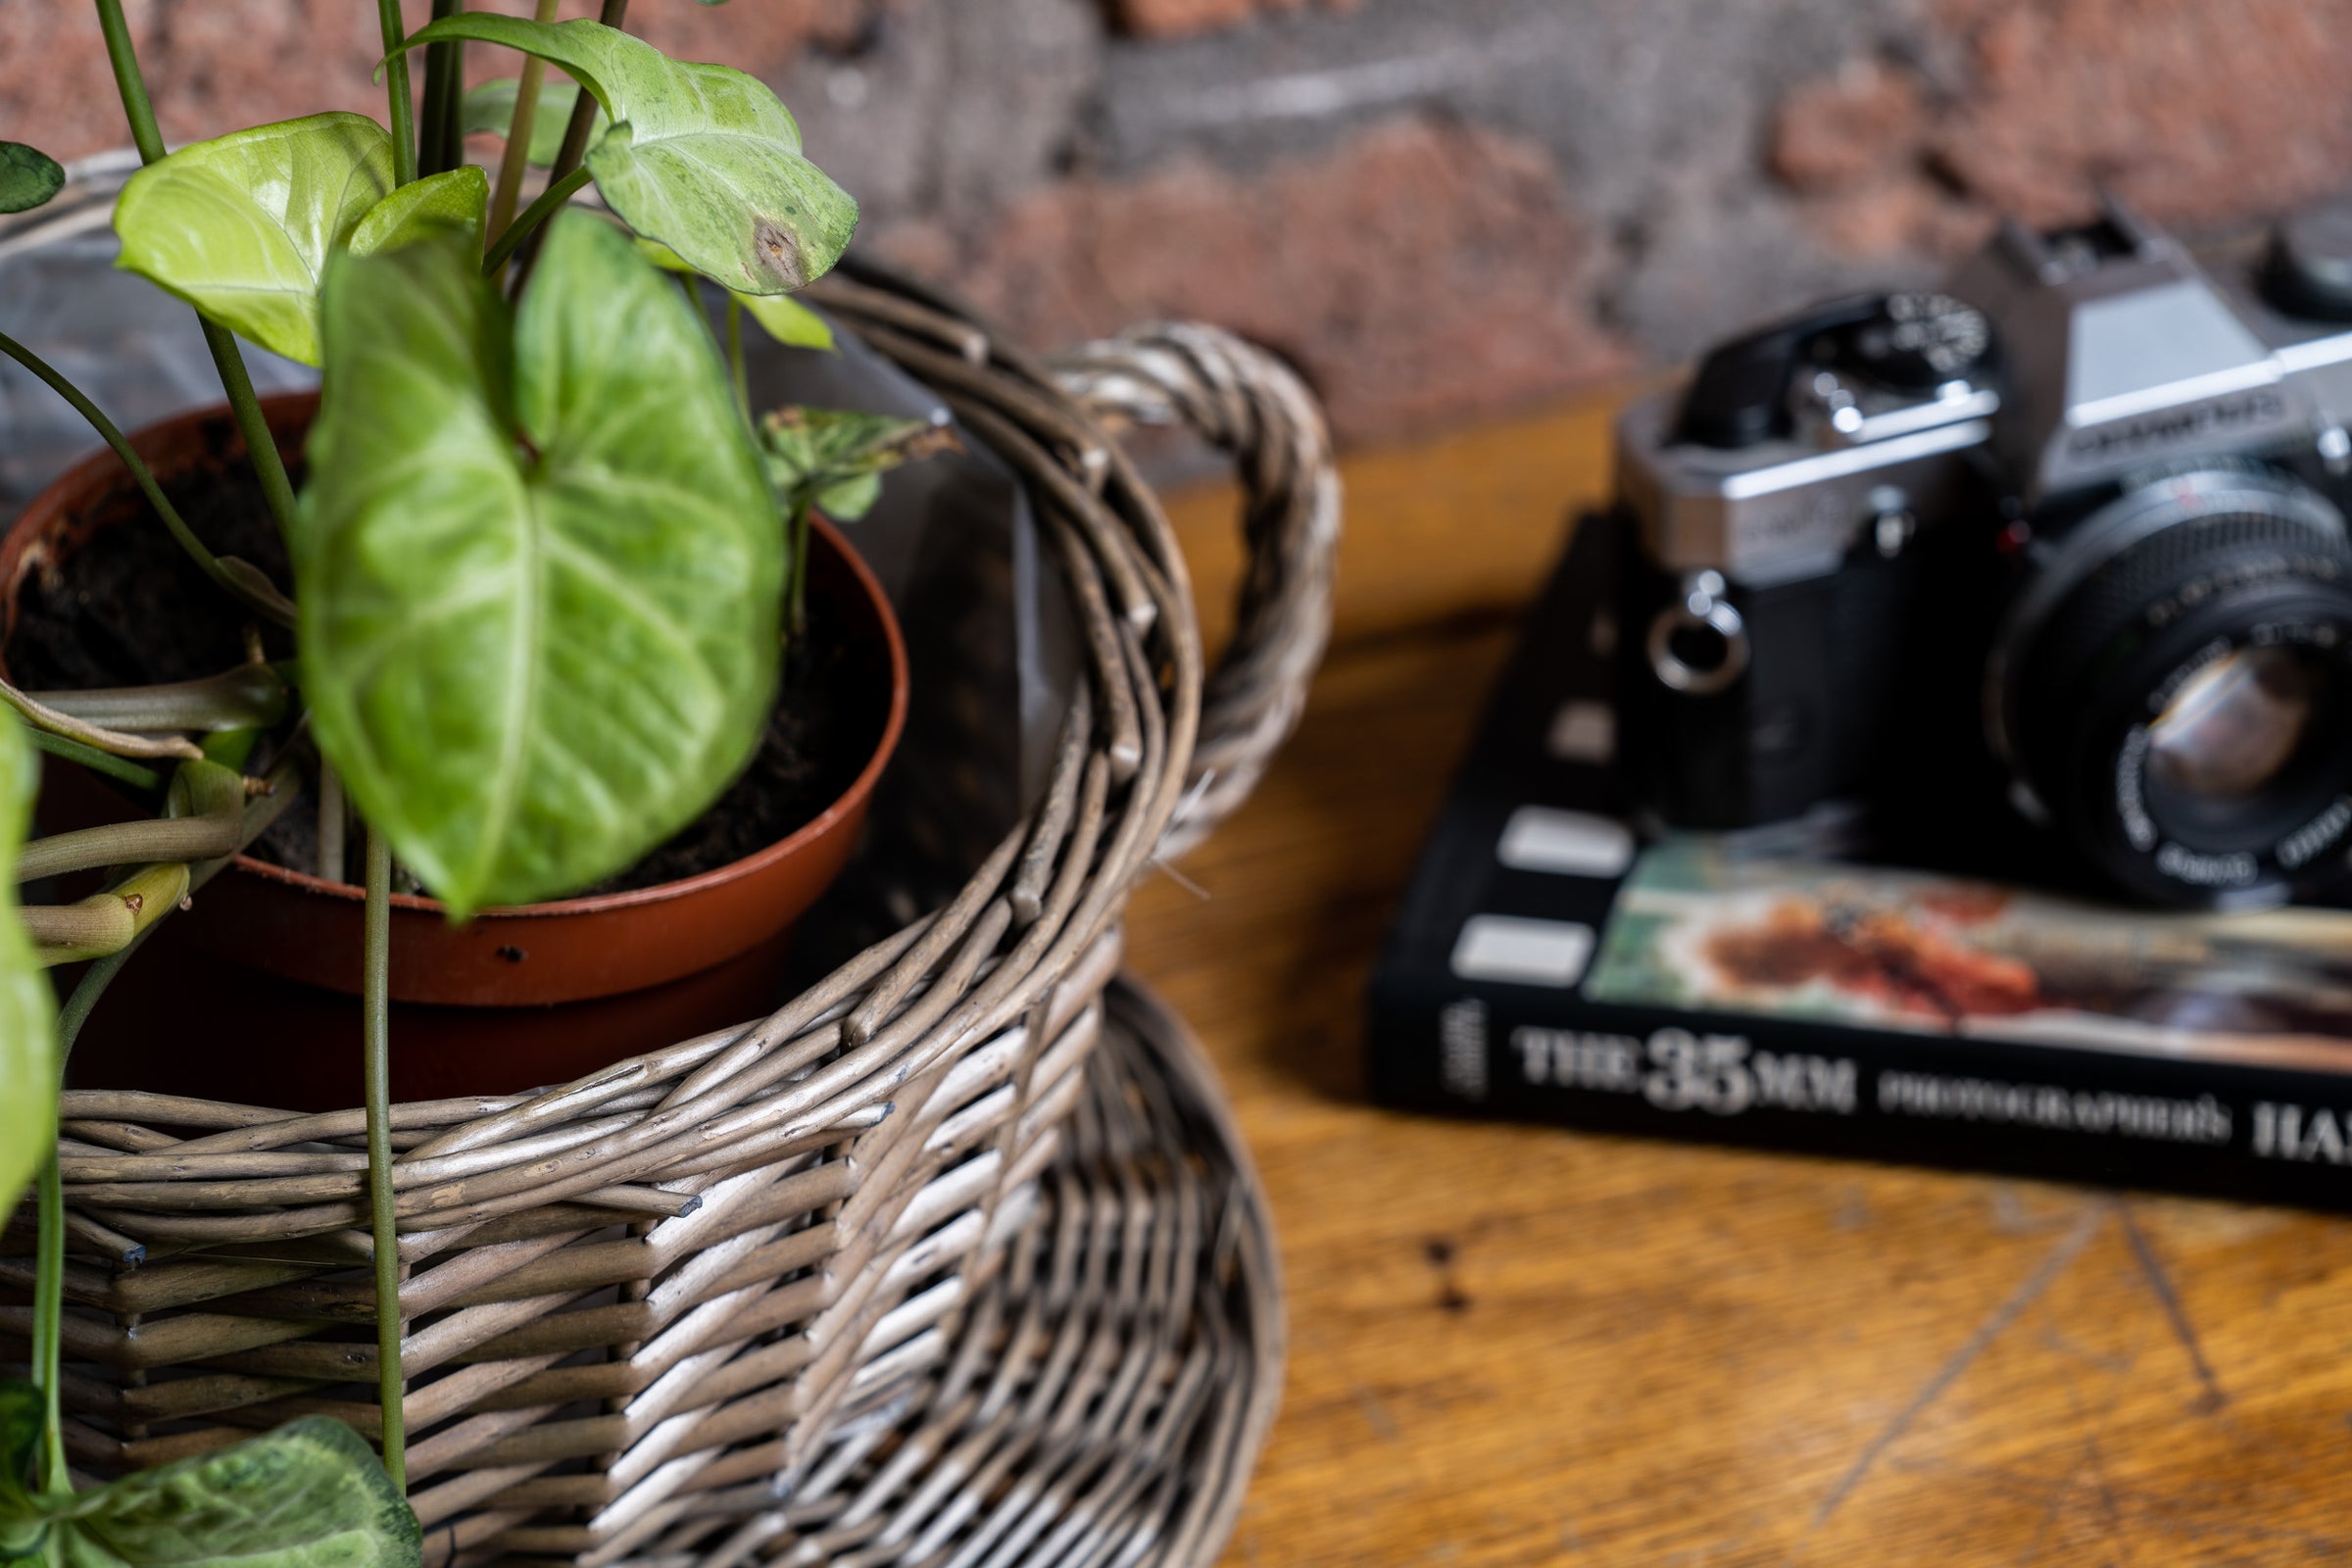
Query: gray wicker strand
(1247,404)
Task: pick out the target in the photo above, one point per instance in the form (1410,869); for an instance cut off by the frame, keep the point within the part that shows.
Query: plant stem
(274,605)
(555,196)
(517,154)
(238,698)
(276,488)
(396,91)
(434,155)
(376,1026)
(800,573)
(96,761)
(145,838)
(612,14)
(124,59)
(42,717)
(330,823)
(49,1266)
(743,379)
(261,446)
(107,922)
(48,1315)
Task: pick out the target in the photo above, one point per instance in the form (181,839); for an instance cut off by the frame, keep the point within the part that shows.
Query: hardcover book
(1549,963)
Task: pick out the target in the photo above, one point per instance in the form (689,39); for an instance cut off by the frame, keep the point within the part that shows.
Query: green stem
(396,91)
(555,196)
(238,587)
(612,14)
(276,489)
(331,814)
(516,153)
(376,1027)
(261,445)
(96,761)
(49,1266)
(48,1318)
(799,572)
(743,379)
(432,119)
(124,59)
(238,698)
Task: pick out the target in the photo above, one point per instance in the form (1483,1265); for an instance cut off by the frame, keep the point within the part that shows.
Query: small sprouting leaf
(538,568)
(456,200)
(785,318)
(489,109)
(28,177)
(241,226)
(27,1007)
(834,459)
(780,316)
(310,1495)
(703,158)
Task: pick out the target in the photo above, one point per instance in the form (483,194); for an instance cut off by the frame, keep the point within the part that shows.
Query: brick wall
(1437,208)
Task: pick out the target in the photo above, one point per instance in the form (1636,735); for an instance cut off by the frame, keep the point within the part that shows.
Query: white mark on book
(1582,731)
(1540,838)
(1523,952)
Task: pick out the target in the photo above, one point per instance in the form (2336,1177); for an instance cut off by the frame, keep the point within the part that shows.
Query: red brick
(1861,124)
(2194,113)
(1418,273)
(1176,19)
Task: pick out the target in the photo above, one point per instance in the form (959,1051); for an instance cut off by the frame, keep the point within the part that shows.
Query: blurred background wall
(1437,208)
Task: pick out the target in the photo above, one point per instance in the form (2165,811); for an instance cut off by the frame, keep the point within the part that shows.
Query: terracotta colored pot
(508,1000)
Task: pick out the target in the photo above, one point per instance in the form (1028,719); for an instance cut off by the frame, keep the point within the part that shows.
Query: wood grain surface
(1528,1346)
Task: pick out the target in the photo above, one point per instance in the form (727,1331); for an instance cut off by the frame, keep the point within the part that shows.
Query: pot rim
(90,469)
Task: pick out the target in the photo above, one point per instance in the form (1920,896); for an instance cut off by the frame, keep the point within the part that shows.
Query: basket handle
(1249,405)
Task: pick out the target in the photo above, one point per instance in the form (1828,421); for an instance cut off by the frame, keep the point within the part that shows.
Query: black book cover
(1550,964)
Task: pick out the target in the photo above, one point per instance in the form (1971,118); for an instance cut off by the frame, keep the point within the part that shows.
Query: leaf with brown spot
(703,158)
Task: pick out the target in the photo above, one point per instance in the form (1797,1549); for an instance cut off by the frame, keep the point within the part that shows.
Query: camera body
(2063,543)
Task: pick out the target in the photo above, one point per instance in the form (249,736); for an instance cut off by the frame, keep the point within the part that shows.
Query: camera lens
(2173,687)
(2238,725)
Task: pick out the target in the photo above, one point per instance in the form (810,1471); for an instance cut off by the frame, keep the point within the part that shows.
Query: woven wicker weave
(643,1307)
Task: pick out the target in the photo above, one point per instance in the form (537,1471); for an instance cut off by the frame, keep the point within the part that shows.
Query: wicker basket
(670,1309)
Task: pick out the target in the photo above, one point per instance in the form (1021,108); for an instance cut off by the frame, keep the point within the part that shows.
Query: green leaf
(28,177)
(834,459)
(241,226)
(310,1495)
(458,201)
(27,1007)
(539,570)
(489,109)
(851,499)
(703,158)
(780,316)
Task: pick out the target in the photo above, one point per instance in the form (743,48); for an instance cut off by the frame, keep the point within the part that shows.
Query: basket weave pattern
(641,1309)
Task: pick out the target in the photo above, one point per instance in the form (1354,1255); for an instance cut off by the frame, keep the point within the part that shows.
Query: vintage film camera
(2069,535)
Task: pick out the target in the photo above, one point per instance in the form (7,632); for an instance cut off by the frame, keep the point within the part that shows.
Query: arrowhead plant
(541,569)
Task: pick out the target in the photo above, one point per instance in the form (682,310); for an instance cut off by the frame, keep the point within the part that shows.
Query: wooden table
(1528,1346)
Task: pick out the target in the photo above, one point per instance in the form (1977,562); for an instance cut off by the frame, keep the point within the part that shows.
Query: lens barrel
(2173,687)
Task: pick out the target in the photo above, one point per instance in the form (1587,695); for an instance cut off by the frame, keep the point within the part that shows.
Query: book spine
(1509,1052)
